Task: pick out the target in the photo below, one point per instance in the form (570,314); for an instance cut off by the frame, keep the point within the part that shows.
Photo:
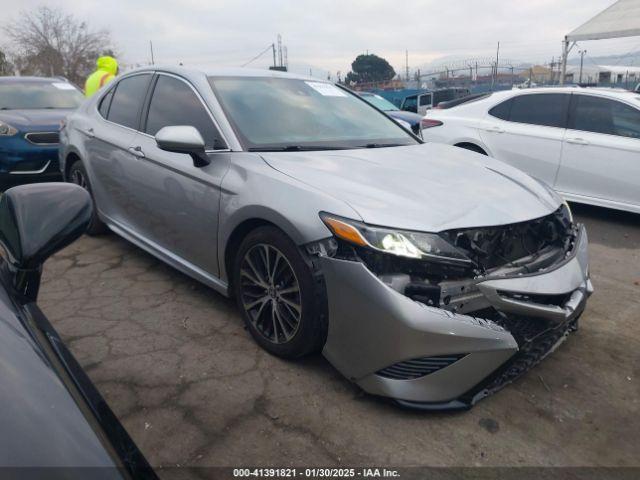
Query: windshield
(291,114)
(34,95)
(379,102)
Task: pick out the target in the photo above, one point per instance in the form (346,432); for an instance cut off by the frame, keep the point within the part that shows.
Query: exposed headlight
(402,243)
(7,130)
(566,210)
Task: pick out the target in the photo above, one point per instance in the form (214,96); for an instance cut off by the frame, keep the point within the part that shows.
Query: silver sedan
(423,272)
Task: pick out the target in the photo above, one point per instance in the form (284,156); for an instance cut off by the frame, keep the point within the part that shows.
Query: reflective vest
(107,68)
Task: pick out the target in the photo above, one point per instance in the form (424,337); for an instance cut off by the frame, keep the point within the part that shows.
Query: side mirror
(35,222)
(183,139)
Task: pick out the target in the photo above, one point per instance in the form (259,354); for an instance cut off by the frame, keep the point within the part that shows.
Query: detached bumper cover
(372,327)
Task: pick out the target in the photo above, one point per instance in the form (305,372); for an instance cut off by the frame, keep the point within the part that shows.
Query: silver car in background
(423,272)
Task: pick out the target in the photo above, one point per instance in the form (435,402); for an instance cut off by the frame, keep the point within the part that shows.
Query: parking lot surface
(176,365)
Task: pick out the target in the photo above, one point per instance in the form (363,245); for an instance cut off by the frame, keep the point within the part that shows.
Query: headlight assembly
(566,210)
(7,130)
(401,243)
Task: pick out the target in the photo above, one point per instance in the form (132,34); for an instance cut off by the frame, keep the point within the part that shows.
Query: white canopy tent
(622,19)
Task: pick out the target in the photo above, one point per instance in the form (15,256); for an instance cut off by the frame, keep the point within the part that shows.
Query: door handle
(136,151)
(495,129)
(577,141)
(88,132)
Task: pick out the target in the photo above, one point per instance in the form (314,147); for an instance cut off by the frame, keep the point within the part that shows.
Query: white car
(584,142)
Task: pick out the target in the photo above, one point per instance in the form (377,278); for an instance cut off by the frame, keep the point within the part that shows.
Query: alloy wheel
(77,177)
(270,293)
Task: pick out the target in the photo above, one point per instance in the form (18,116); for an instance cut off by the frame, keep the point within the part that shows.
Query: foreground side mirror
(183,139)
(35,222)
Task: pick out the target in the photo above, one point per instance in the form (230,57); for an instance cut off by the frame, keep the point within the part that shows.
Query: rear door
(177,202)
(601,153)
(527,131)
(108,145)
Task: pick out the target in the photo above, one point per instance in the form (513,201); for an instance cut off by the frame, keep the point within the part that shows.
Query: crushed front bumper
(430,358)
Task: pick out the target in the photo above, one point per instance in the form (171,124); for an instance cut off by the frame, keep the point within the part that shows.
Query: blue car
(31,112)
(413,119)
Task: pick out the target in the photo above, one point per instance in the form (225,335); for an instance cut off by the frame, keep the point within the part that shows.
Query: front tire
(78,175)
(277,295)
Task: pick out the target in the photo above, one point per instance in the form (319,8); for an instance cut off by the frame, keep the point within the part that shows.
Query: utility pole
(151,47)
(582,53)
(406,64)
(494,79)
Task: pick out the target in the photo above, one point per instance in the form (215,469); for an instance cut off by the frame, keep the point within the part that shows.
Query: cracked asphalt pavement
(177,367)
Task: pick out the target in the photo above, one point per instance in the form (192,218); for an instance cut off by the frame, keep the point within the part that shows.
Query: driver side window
(175,103)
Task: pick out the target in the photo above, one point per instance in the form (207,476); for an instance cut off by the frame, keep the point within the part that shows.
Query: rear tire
(78,175)
(277,295)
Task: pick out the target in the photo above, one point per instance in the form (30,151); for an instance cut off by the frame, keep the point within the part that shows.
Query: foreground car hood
(427,187)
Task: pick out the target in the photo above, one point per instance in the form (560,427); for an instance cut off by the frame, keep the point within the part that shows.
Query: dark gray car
(423,272)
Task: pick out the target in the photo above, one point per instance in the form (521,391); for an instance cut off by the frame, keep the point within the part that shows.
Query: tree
(5,66)
(370,68)
(50,42)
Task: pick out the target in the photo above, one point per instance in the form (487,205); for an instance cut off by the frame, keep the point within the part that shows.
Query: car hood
(26,119)
(427,187)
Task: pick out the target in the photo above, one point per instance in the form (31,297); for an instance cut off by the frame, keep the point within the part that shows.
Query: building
(605,75)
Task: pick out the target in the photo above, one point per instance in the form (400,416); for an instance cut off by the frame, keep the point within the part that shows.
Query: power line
(257,56)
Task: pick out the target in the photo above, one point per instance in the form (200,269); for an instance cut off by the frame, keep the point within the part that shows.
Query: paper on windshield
(326,89)
(63,86)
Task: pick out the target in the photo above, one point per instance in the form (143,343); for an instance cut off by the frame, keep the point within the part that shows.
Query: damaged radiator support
(497,252)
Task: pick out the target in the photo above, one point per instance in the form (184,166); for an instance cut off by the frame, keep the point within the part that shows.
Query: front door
(177,202)
(526,131)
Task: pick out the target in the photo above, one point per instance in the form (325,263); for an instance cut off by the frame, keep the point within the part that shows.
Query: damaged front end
(442,320)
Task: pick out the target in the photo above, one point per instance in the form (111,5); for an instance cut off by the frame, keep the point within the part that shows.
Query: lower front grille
(536,339)
(418,367)
(43,138)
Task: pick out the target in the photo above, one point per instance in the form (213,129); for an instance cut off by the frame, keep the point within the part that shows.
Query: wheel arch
(243,222)
(473,146)
(70,158)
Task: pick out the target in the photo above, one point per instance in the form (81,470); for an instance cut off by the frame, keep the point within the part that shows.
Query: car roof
(224,72)
(602,91)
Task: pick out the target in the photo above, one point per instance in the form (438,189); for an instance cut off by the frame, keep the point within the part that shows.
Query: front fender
(253,190)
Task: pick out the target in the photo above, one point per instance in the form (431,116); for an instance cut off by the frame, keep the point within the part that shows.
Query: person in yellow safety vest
(106,71)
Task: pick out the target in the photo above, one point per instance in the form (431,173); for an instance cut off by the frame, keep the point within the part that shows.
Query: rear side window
(105,102)
(175,103)
(547,109)
(502,110)
(602,115)
(127,100)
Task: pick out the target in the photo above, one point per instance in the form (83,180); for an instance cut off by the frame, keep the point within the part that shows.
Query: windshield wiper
(380,145)
(293,148)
